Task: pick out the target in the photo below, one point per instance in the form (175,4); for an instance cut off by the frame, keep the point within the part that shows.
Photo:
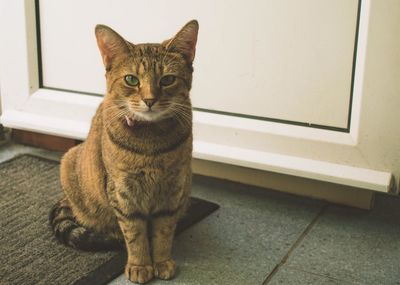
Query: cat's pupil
(131,80)
(167,80)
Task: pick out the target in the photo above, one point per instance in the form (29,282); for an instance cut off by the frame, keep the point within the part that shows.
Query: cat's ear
(110,44)
(185,41)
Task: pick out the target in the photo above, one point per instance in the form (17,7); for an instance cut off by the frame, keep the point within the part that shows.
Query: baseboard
(44,141)
(334,193)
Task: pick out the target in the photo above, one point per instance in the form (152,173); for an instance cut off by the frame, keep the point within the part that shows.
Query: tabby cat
(129,182)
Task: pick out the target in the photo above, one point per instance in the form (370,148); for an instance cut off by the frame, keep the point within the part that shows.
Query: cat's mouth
(143,116)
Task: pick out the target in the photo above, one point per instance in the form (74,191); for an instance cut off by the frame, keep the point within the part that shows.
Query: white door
(264,59)
(282,85)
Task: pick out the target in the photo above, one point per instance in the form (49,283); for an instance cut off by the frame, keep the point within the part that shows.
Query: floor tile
(244,240)
(359,246)
(254,229)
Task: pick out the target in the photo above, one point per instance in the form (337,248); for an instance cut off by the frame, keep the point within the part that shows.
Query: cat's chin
(144,117)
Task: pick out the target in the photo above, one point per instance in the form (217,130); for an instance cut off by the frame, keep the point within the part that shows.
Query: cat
(129,183)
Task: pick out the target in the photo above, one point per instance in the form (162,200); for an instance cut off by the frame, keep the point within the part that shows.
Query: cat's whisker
(183,114)
(185,123)
(113,108)
(180,104)
(118,106)
(186,119)
(184,106)
(179,119)
(180,122)
(110,122)
(183,118)
(115,117)
(185,111)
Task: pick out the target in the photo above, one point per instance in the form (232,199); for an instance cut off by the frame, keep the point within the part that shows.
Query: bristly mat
(29,254)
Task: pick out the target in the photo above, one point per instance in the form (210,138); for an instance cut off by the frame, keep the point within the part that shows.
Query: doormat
(29,186)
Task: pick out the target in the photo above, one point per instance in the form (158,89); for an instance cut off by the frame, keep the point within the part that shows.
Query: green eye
(167,80)
(131,80)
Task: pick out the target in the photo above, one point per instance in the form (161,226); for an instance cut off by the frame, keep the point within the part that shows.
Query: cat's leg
(139,267)
(133,224)
(163,230)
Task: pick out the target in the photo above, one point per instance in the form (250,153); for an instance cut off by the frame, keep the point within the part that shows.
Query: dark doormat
(29,254)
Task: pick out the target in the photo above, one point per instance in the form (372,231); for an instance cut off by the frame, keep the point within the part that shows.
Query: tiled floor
(265,237)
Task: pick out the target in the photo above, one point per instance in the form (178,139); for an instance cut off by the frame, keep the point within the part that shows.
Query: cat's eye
(131,80)
(167,80)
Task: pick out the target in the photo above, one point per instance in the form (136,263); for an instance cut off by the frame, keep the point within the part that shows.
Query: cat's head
(148,82)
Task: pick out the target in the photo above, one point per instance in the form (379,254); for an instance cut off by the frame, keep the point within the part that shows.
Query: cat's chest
(146,174)
(149,172)
(149,182)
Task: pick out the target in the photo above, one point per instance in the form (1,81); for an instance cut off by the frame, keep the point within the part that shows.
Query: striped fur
(67,230)
(129,182)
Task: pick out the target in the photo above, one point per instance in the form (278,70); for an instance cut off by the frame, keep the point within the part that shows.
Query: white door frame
(326,155)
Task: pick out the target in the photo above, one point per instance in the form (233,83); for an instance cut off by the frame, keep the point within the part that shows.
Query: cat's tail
(69,232)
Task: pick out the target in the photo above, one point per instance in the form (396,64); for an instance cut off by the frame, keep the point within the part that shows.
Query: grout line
(295,245)
(323,275)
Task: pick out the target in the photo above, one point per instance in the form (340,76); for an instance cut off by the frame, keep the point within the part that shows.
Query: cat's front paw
(165,270)
(139,274)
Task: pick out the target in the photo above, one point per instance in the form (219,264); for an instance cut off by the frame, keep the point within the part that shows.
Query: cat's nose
(149,102)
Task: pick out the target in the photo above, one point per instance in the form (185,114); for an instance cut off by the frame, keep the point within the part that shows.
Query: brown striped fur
(129,182)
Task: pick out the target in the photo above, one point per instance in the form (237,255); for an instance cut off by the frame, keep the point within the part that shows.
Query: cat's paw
(165,270)
(139,274)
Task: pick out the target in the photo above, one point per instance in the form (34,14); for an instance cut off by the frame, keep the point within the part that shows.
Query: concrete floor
(260,236)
